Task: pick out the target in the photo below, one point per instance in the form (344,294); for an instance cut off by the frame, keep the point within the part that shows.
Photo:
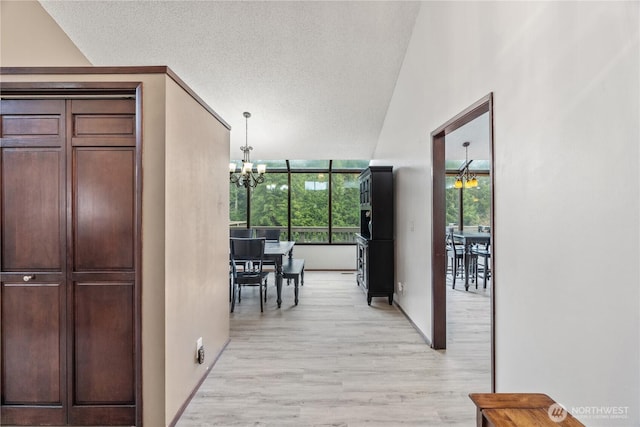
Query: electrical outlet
(199,351)
(400,287)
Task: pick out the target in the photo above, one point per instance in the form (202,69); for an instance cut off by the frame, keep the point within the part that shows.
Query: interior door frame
(100,90)
(438,249)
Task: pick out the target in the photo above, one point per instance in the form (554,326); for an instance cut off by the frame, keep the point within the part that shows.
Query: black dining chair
(237,232)
(455,256)
(241,232)
(271,234)
(484,252)
(247,256)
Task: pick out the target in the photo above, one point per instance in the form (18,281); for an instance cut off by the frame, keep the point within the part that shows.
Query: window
(345,202)
(237,206)
(452,198)
(313,201)
(476,203)
(309,207)
(269,203)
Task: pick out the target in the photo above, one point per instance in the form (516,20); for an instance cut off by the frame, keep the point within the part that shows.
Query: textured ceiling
(317,77)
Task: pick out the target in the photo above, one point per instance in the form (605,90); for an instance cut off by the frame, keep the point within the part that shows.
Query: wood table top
(521,409)
(511,400)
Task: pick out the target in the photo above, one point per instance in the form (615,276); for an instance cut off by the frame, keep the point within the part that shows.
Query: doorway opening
(441,226)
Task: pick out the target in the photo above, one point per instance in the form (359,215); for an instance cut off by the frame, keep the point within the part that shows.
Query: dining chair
(456,254)
(271,234)
(455,258)
(241,232)
(237,232)
(484,252)
(247,256)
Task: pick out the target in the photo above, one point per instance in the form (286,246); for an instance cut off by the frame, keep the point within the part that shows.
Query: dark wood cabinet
(69,218)
(375,244)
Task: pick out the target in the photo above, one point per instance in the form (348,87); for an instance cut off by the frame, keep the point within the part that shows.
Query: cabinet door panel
(32,230)
(30,126)
(31,328)
(32,123)
(104,123)
(104,343)
(31,209)
(104,195)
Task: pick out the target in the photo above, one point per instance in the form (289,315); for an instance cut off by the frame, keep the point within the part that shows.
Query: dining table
(468,239)
(275,251)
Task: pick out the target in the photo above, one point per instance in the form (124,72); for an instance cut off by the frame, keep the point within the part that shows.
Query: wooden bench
(520,409)
(293,268)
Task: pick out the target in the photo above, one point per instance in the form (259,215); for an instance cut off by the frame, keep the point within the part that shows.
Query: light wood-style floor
(334,361)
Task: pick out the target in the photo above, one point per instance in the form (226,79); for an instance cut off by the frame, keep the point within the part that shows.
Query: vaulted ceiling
(317,77)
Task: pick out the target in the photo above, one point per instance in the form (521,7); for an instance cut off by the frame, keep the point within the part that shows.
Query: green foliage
(476,203)
(237,204)
(309,200)
(309,205)
(269,202)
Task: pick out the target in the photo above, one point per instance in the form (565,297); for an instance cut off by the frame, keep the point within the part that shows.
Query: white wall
(326,257)
(565,77)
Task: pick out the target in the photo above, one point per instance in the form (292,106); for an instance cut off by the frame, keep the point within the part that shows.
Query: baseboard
(424,337)
(175,419)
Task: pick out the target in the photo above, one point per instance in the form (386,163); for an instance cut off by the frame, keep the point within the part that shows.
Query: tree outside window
(309,192)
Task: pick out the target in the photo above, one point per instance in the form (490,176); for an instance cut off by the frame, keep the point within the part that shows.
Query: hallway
(332,360)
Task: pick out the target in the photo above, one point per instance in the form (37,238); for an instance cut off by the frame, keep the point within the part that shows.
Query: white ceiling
(317,77)
(476,132)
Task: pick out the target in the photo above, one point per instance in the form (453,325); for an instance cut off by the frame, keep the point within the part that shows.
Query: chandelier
(464,175)
(246,178)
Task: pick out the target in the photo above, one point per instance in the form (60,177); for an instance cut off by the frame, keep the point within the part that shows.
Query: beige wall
(153,249)
(30,37)
(196,255)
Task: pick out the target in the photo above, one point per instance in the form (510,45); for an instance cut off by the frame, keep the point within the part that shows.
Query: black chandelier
(464,176)
(247,178)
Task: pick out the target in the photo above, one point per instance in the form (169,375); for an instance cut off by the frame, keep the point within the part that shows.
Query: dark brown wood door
(69,243)
(33,262)
(102,182)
